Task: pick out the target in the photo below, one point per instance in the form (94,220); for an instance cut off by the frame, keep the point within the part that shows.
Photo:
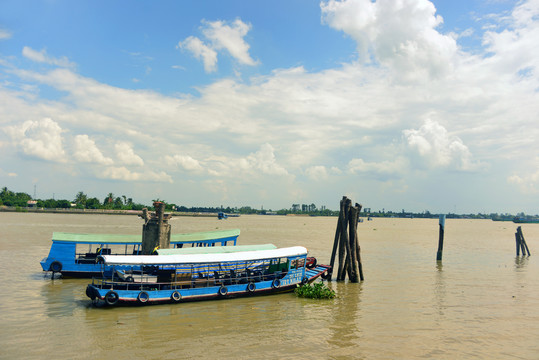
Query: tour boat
(179,278)
(75,255)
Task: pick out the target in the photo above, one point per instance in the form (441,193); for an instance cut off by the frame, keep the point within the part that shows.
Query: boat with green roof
(75,254)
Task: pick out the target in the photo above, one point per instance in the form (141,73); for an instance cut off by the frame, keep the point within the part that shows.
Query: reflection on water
(474,305)
(521,262)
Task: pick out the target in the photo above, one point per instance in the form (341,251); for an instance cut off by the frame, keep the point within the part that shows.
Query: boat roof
(137,239)
(203,258)
(215,249)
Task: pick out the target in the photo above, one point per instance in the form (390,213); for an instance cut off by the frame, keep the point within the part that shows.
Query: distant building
(31,203)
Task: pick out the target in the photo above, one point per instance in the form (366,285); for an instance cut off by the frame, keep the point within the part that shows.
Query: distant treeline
(112,202)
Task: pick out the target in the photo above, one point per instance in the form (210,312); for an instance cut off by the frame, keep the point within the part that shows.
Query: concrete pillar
(156,230)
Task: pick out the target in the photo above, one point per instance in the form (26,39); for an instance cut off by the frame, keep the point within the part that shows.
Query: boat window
(298,263)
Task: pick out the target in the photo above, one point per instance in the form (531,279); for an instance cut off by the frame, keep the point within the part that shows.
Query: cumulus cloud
(438,148)
(401,35)
(184,161)
(230,37)
(221,36)
(40,138)
(264,160)
(42,57)
(126,155)
(85,150)
(201,52)
(124,174)
(318,172)
(398,166)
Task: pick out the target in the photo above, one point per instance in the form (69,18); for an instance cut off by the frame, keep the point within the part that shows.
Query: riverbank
(94,211)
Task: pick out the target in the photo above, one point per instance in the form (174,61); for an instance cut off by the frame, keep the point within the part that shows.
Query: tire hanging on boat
(223,291)
(176,296)
(251,287)
(276,283)
(305,280)
(143,297)
(56,266)
(111,298)
(90,292)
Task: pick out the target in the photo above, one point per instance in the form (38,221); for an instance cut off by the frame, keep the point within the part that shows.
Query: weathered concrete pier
(156,229)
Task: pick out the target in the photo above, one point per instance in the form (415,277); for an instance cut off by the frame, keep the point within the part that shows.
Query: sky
(410,105)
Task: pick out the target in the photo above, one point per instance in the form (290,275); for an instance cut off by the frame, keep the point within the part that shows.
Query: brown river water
(480,302)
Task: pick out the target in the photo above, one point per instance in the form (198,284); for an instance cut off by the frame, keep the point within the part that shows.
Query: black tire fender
(176,296)
(223,291)
(56,266)
(305,280)
(251,287)
(275,283)
(143,297)
(111,298)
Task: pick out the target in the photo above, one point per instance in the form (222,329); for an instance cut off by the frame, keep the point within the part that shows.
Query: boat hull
(147,293)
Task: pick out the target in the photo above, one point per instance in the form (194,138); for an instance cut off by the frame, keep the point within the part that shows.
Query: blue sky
(411,104)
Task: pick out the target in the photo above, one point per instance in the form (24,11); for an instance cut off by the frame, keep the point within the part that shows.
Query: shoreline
(95,211)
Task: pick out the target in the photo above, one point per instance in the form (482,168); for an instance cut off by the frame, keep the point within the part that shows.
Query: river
(480,302)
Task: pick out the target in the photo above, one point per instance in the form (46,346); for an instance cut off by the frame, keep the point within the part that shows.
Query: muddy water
(480,302)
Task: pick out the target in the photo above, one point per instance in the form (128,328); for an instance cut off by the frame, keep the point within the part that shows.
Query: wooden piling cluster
(521,243)
(346,241)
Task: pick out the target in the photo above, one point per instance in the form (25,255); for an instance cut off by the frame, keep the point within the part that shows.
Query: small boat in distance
(193,277)
(75,255)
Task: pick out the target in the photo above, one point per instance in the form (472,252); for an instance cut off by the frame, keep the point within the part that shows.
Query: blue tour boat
(75,255)
(192,277)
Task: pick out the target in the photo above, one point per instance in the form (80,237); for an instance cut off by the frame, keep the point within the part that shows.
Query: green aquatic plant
(315,291)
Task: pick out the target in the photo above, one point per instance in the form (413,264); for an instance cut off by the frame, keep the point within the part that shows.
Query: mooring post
(358,248)
(441,238)
(353,241)
(344,246)
(517,241)
(335,245)
(521,242)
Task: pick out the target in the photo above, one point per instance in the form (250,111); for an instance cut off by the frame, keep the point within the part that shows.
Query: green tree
(81,199)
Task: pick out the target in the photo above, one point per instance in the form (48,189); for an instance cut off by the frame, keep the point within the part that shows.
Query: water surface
(480,302)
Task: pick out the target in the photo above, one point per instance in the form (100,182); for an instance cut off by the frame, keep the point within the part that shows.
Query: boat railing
(187,281)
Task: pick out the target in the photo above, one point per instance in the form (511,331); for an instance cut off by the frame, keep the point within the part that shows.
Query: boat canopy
(137,239)
(215,249)
(202,258)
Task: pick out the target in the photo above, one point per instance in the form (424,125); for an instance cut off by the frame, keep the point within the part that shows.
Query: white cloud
(40,138)
(230,38)
(399,34)
(222,36)
(5,34)
(126,155)
(124,174)
(85,150)
(398,166)
(42,57)
(201,52)
(184,161)
(438,148)
(317,172)
(264,160)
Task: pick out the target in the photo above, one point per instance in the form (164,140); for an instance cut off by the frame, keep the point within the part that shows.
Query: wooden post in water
(521,243)
(346,240)
(441,238)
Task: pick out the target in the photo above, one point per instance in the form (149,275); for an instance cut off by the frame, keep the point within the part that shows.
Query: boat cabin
(75,255)
(190,277)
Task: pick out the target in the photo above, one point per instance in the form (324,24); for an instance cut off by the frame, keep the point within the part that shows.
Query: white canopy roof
(202,258)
